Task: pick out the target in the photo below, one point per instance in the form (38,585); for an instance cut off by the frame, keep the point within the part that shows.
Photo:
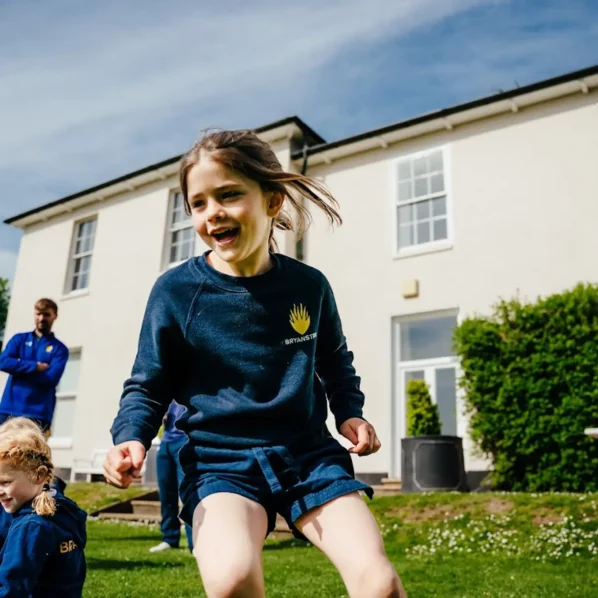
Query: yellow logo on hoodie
(300,319)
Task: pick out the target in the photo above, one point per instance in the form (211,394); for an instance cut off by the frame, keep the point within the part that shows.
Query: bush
(422,414)
(530,375)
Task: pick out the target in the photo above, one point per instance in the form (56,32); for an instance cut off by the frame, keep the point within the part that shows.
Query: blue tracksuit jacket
(29,393)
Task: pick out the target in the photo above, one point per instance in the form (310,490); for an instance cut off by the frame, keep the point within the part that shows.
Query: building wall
(524,192)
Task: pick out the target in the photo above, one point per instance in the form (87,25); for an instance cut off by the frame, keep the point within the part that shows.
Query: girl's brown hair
(244,152)
(23,446)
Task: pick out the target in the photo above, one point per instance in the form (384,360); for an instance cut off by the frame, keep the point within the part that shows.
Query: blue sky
(90,91)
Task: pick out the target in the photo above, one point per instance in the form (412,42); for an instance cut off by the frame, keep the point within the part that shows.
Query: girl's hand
(123,463)
(362,435)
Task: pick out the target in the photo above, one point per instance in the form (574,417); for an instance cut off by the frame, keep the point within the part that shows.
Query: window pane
(422,210)
(173,254)
(437,183)
(427,338)
(83,228)
(439,206)
(84,245)
(178,201)
(84,263)
(446,399)
(75,283)
(405,214)
(423,232)
(440,231)
(435,161)
(405,191)
(83,280)
(70,378)
(414,375)
(64,418)
(176,217)
(405,236)
(85,237)
(419,166)
(404,170)
(421,187)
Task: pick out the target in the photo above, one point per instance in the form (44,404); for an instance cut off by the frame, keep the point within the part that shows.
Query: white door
(424,350)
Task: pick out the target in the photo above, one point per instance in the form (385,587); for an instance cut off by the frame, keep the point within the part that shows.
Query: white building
(443,214)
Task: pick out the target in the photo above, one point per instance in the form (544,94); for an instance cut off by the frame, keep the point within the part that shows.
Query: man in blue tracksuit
(35,361)
(170,475)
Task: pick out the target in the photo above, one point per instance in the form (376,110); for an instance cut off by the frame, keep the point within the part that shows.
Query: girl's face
(16,488)
(233,217)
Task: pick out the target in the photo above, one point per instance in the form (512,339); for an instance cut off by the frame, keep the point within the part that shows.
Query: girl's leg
(347,533)
(228,535)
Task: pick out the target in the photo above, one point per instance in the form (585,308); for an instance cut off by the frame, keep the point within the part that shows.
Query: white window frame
(66,442)
(171,229)
(73,257)
(430,246)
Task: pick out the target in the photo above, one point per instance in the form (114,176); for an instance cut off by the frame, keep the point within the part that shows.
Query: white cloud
(97,78)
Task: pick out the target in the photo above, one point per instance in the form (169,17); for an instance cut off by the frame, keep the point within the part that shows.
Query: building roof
(314,144)
(309,135)
(445,112)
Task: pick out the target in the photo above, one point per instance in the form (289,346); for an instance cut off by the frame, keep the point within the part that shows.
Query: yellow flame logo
(300,319)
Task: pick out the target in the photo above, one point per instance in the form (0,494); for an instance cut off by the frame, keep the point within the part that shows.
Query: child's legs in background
(175,449)
(228,535)
(345,530)
(168,487)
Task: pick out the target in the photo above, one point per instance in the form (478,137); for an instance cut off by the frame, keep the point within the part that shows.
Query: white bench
(93,466)
(89,467)
(593,432)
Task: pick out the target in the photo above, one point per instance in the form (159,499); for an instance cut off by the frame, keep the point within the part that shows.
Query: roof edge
(311,138)
(444,112)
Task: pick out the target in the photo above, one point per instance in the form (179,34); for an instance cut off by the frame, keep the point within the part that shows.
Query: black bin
(432,463)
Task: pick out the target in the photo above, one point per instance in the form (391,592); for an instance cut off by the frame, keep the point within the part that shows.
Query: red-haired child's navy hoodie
(44,556)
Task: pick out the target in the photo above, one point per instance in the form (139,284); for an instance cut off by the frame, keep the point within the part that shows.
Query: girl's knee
(378,579)
(234,579)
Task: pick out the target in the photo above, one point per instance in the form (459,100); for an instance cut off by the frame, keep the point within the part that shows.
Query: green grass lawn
(457,545)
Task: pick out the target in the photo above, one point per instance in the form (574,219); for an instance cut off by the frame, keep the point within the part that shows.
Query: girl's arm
(24,556)
(334,364)
(156,372)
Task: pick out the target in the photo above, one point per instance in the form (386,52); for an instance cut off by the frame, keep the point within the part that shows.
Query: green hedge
(530,375)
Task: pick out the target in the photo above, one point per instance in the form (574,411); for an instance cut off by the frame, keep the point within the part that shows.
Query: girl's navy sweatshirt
(43,557)
(254,359)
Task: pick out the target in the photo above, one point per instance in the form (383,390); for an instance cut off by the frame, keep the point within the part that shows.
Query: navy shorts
(286,480)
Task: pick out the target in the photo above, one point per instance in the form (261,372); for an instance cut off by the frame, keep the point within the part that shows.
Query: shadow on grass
(112,564)
(283,544)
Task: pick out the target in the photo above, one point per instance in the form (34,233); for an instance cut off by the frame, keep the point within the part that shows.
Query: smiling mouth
(226,236)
